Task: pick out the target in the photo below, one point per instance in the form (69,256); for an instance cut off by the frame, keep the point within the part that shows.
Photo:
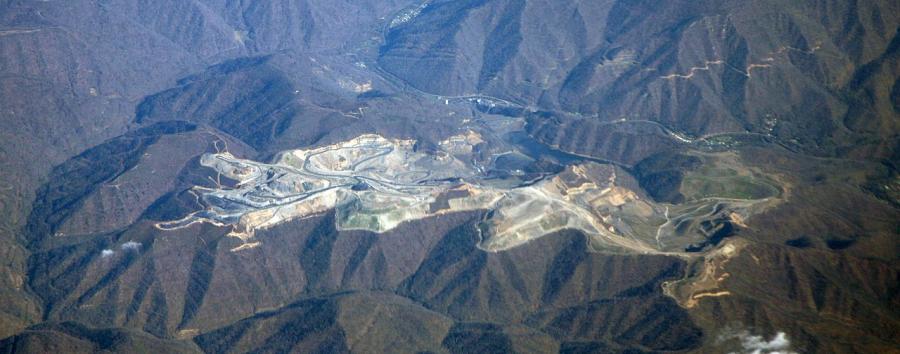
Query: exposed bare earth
(377,184)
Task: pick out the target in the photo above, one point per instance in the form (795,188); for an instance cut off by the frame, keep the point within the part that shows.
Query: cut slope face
(377,183)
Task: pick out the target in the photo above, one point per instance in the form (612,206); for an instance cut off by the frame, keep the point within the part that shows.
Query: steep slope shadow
(76,338)
(271,103)
(71,182)
(693,66)
(246,98)
(307,326)
(557,286)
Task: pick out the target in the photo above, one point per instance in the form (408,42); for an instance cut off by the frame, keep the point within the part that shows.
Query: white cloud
(131,246)
(107,253)
(754,344)
(758,344)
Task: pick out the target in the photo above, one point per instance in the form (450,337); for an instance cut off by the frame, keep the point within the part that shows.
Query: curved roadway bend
(672,133)
(272,198)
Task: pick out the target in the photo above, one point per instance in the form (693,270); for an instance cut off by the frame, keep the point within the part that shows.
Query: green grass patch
(696,186)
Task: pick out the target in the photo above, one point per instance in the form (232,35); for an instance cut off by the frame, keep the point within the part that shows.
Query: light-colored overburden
(376,184)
